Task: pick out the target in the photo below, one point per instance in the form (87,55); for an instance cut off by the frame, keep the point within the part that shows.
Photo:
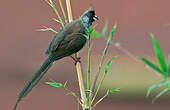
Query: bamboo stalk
(78,66)
(69,11)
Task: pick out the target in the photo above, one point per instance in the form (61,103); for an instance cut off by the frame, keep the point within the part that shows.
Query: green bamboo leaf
(86,36)
(91,30)
(158,85)
(169,65)
(72,93)
(151,65)
(58,85)
(95,34)
(159,54)
(108,64)
(65,84)
(111,33)
(109,39)
(160,94)
(104,31)
(47,29)
(114,90)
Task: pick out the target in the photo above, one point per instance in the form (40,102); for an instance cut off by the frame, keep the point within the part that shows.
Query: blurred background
(23,50)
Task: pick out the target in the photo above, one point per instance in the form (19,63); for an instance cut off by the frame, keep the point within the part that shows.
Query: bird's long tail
(34,80)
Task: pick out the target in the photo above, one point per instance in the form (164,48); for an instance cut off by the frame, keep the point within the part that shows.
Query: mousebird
(67,42)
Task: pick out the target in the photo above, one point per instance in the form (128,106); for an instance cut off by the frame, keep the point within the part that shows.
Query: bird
(69,40)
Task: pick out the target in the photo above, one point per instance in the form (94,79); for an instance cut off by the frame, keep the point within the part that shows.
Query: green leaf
(160,94)
(159,54)
(65,84)
(91,30)
(108,64)
(109,39)
(47,29)
(169,65)
(158,85)
(104,31)
(95,34)
(86,36)
(72,93)
(151,65)
(58,85)
(111,33)
(114,90)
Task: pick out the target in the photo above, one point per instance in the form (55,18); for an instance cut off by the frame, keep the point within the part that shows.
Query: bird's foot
(76,59)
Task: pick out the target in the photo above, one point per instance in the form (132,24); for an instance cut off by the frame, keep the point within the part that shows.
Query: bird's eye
(95,17)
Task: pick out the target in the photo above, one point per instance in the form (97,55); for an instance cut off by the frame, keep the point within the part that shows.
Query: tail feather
(34,80)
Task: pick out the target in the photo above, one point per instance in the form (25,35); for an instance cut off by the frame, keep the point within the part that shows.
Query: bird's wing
(54,43)
(74,42)
(60,37)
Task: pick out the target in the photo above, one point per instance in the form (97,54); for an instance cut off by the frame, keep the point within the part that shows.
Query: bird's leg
(76,59)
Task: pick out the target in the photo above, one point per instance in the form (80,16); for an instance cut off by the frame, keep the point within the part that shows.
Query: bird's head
(89,17)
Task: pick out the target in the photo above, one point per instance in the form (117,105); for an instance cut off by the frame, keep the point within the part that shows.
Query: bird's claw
(76,59)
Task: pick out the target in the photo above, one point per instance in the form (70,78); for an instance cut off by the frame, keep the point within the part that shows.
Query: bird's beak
(95,18)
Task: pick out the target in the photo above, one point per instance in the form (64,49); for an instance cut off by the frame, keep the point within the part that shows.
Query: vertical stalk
(98,88)
(69,11)
(78,66)
(98,73)
(88,80)
(88,68)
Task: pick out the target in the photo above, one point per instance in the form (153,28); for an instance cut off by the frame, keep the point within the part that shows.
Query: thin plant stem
(78,66)
(74,95)
(62,9)
(56,20)
(55,10)
(107,93)
(103,56)
(91,98)
(98,88)
(99,70)
(88,72)
(168,85)
(128,53)
(89,64)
